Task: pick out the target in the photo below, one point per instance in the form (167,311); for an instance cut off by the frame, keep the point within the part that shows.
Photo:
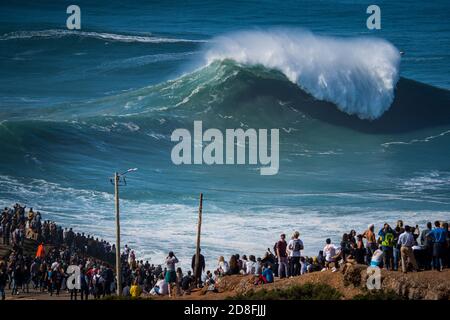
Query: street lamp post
(118,264)
(119,179)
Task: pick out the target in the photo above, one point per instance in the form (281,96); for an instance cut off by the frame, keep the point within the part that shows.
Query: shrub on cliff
(379,295)
(307,291)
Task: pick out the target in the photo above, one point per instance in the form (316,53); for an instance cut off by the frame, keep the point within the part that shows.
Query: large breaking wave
(258,78)
(359,75)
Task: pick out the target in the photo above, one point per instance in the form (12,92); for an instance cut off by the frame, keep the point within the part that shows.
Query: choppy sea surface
(364,131)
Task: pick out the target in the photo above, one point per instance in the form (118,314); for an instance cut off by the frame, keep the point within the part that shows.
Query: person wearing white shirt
(330,251)
(223,266)
(55,265)
(251,265)
(161,287)
(377,258)
(295,246)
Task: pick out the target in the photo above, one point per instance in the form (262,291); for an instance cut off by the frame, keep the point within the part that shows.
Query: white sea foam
(413,141)
(154,228)
(59,33)
(359,75)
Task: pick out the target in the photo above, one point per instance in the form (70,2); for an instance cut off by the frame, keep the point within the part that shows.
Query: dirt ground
(414,285)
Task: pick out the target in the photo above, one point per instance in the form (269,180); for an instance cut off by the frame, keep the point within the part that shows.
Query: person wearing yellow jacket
(135,290)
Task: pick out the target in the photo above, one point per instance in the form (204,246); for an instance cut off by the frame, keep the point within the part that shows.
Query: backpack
(388,240)
(297,246)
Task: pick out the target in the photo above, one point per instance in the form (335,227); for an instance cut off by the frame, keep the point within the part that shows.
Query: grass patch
(379,295)
(308,291)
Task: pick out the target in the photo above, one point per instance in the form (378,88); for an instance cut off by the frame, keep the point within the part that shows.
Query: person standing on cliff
(427,245)
(386,239)
(438,238)
(201,269)
(171,275)
(371,242)
(406,241)
(281,250)
(295,246)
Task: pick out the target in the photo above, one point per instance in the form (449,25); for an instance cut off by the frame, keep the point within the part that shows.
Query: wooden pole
(118,264)
(198,271)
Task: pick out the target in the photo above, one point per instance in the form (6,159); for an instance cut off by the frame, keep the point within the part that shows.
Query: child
(377,258)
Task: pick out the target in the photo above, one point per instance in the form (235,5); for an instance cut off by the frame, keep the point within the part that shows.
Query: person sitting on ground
(222,266)
(135,290)
(233,265)
(330,251)
(349,262)
(346,247)
(244,261)
(268,273)
(251,265)
(258,266)
(359,251)
(210,282)
(304,265)
(161,287)
(269,258)
(187,282)
(314,265)
(239,260)
(321,259)
(126,290)
(377,258)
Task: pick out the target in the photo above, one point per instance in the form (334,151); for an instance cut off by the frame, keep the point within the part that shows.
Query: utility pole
(118,262)
(198,271)
(119,179)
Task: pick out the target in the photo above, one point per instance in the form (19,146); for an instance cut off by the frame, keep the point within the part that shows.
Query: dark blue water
(364,132)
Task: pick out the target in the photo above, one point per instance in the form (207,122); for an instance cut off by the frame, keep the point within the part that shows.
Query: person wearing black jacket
(201,269)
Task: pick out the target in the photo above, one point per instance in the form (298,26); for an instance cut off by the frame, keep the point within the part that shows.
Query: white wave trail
(59,33)
(424,140)
(359,75)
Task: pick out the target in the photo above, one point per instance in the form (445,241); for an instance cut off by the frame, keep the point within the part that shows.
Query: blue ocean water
(364,132)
